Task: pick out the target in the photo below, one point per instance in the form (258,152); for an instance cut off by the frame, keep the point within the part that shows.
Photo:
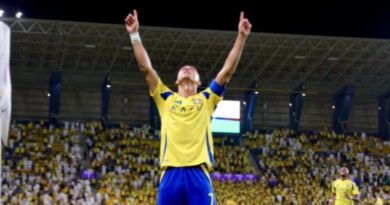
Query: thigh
(172,188)
(199,187)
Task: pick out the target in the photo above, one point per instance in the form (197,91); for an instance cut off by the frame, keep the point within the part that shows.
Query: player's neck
(187,88)
(343,178)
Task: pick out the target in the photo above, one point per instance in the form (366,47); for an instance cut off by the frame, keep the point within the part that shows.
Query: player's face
(343,172)
(188,72)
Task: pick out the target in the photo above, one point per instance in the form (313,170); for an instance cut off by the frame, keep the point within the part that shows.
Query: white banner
(5,82)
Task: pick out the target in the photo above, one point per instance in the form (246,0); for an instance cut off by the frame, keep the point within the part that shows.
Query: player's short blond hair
(344,169)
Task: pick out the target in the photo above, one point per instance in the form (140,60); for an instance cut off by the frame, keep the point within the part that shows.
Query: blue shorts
(185,186)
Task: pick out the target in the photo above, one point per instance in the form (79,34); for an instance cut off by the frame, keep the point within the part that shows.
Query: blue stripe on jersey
(206,94)
(166,95)
(165,147)
(216,88)
(211,157)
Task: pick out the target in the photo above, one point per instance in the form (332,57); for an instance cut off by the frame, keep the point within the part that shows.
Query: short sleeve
(334,187)
(355,189)
(213,95)
(160,96)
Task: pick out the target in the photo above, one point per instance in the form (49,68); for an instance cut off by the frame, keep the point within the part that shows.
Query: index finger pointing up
(135,13)
(241,15)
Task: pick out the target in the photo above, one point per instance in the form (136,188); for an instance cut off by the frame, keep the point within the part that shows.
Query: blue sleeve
(216,88)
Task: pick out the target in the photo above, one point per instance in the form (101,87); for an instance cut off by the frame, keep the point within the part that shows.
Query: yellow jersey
(186,138)
(340,187)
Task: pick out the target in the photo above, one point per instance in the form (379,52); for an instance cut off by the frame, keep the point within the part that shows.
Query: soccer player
(344,190)
(186,150)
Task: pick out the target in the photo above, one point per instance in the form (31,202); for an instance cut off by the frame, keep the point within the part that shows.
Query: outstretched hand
(244,26)
(346,195)
(131,22)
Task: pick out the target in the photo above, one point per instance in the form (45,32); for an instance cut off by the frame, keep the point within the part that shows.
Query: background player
(344,190)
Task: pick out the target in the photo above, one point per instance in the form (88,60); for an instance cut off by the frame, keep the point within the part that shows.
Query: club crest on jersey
(197,101)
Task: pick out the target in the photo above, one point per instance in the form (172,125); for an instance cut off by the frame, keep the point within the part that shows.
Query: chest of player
(191,105)
(344,187)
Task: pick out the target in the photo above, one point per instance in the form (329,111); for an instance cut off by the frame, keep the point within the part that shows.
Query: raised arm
(140,53)
(231,62)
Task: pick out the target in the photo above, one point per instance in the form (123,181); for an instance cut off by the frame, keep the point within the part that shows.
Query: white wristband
(134,37)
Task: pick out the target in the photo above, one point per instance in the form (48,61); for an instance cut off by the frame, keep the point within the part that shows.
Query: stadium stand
(46,165)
